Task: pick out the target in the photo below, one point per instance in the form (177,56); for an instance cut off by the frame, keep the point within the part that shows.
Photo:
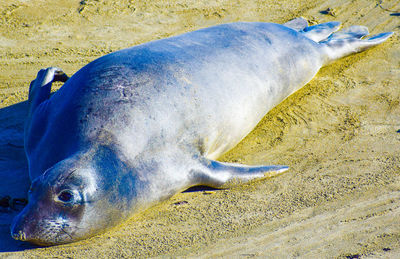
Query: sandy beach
(340,135)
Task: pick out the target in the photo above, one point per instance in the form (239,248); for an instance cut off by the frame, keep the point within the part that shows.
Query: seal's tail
(339,44)
(349,41)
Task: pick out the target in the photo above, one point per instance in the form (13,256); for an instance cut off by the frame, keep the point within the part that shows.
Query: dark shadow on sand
(14,179)
(201,188)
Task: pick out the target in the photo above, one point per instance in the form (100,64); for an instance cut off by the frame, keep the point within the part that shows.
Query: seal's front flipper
(349,41)
(216,174)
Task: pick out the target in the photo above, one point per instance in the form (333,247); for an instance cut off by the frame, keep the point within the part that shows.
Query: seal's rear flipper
(297,24)
(321,31)
(216,174)
(350,41)
(352,32)
(40,88)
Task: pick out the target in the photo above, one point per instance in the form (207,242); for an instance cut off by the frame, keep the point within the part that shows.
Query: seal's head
(57,204)
(70,201)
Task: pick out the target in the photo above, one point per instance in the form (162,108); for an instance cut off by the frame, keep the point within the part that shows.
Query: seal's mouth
(47,237)
(43,232)
(21,236)
(18,231)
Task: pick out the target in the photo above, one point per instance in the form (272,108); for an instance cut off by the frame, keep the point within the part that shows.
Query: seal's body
(139,125)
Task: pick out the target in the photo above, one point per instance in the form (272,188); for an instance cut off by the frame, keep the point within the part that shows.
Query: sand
(340,135)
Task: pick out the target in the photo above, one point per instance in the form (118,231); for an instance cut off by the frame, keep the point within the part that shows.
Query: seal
(138,125)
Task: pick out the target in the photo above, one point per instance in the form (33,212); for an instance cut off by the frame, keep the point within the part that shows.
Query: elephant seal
(138,125)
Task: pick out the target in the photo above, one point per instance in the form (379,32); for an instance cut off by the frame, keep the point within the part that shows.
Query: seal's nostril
(19,236)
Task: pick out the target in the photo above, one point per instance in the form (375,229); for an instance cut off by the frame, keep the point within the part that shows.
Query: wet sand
(340,135)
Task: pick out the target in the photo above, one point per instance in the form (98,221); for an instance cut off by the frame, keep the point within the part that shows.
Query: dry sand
(340,135)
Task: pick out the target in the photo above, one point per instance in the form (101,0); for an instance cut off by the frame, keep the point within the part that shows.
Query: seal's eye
(65,196)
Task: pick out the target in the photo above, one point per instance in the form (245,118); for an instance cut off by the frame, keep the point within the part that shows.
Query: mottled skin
(136,126)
